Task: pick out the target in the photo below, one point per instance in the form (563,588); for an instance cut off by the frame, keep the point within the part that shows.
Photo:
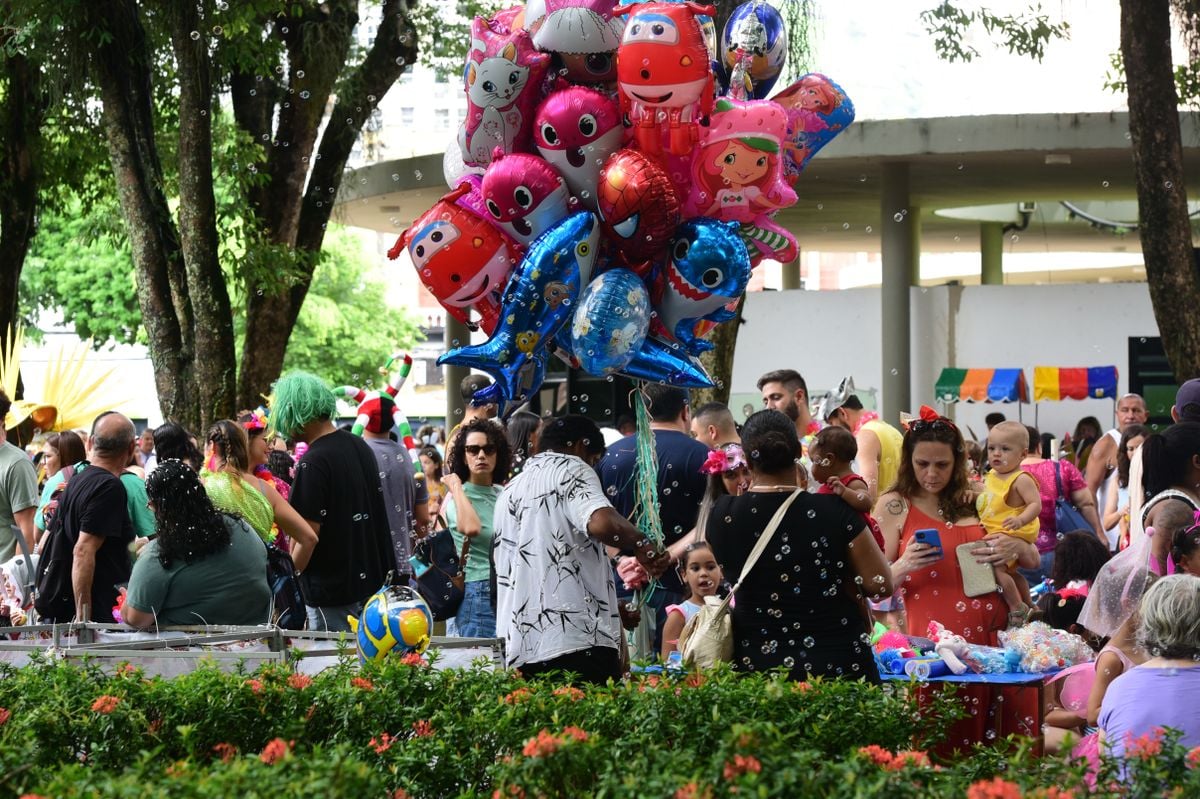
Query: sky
(881,55)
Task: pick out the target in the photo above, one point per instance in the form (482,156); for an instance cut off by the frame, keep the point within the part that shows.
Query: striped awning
(1053,383)
(982,385)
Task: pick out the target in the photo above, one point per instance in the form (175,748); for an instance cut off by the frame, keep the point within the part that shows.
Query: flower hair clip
(257,420)
(723,460)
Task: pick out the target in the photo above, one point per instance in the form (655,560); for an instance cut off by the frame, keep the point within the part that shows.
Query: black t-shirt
(680,484)
(94,502)
(798,606)
(337,485)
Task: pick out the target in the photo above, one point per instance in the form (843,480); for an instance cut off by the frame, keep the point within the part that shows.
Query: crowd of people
(860,521)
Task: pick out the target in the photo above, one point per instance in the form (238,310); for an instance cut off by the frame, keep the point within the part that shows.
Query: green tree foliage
(346,330)
(1024,33)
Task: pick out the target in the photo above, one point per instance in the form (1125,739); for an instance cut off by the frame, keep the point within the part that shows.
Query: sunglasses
(475,449)
(920,425)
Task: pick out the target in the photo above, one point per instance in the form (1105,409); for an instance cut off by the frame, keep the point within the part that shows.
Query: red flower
(105,704)
(994,788)
(33,796)
(516,695)
(362,683)
(1145,746)
(696,679)
(275,750)
(1193,758)
(255,685)
(741,764)
(801,687)
(299,681)
(422,728)
(400,793)
(154,726)
(877,755)
(541,745)
(225,751)
(413,659)
(569,691)
(381,744)
(1054,792)
(4,715)
(125,669)
(908,758)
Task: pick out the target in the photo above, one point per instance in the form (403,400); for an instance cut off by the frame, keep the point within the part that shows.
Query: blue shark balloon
(707,268)
(610,322)
(660,362)
(537,303)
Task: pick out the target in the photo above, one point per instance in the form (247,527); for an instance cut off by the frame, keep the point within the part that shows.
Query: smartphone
(929,536)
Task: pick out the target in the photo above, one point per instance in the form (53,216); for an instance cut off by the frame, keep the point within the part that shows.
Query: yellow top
(891,443)
(993,508)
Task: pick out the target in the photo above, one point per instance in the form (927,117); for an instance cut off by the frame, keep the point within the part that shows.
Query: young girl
(1116,496)
(1185,550)
(1010,504)
(702,575)
(831,452)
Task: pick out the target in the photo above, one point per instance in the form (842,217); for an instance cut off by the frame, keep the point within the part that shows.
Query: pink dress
(1072,480)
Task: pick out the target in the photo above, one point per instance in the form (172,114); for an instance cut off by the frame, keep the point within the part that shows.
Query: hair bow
(929,414)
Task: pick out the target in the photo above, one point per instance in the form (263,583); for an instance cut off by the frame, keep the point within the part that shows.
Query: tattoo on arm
(894,506)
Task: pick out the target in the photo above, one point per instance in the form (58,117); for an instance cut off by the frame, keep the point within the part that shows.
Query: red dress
(936,594)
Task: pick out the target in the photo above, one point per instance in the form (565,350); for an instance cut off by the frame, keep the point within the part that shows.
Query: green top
(232,494)
(226,587)
(483,500)
(135,502)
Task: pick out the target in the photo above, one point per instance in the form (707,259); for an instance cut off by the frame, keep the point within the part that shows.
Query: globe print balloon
(394,619)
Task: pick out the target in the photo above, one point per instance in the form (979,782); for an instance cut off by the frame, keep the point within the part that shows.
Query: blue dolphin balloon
(707,268)
(537,302)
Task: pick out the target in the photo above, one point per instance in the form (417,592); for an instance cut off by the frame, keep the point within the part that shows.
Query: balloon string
(645,510)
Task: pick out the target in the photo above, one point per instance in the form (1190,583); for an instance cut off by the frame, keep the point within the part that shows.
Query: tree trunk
(1164,227)
(20,140)
(271,315)
(121,69)
(719,360)
(212,320)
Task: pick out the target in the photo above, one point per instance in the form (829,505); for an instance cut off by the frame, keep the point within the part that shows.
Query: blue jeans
(1042,572)
(475,617)
(332,617)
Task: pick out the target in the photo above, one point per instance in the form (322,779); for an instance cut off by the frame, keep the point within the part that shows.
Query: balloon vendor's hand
(631,573)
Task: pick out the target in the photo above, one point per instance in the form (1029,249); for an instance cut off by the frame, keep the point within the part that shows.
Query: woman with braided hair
(203,567)
(235,489)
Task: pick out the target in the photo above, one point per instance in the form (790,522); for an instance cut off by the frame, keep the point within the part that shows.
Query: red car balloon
(638,205)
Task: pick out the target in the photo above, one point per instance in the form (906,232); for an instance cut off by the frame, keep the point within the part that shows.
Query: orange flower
(1054,792)
(413,659)
(299,681)
(994,788)
(877,755)
(1145,746)
(693,791)
(4,715)
(362,683)
(574,732)
(422,728)
(125,669)
(908,758)
(516,695)
(275,750)
(154,726)
(400,793)
(741,764)
(1193,758)
(381,744)
(225,751)
(696,679)
(105,704)
(801,687)
(255,685)
(569,691)
(542,745)
(33,796)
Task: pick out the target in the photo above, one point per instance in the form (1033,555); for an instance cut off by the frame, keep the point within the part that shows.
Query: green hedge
(397,729)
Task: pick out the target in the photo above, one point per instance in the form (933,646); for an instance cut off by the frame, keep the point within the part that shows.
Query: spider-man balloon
(638,205)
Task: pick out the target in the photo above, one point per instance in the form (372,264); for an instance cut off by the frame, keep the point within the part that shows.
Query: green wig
(299,398)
